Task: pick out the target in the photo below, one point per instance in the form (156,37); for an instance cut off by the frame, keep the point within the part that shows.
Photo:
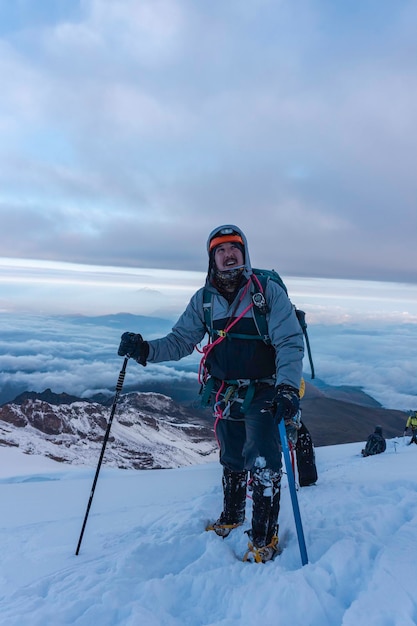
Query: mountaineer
(252,381)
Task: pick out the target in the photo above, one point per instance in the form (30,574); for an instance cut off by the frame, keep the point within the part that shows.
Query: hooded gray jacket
(283,328)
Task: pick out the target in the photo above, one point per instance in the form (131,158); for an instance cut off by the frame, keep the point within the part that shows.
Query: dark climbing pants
(250,440)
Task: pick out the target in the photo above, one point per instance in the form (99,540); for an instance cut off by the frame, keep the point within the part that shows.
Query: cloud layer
(129,130)
(77,355)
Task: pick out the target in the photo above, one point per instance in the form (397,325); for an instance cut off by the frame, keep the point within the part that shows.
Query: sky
(146,558)
(130,129)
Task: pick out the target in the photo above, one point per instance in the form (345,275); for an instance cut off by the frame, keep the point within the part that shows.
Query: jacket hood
(216,231)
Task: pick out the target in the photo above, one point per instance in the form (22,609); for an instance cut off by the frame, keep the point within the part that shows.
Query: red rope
(205,350)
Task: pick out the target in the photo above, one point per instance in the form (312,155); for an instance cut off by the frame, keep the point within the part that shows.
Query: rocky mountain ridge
(149,431)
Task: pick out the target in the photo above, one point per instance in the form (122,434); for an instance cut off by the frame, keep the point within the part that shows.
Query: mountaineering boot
(266,492)
(234,503)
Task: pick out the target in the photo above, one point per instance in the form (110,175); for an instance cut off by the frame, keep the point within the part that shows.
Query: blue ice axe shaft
(293,492)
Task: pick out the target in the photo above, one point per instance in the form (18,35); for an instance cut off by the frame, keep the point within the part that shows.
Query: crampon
(222,530)
(262,554)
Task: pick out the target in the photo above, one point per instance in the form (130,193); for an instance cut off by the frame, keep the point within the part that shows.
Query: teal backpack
(260,310)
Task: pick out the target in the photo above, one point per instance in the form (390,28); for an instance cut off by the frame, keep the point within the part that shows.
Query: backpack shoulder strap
(259,312)
(260,317)
(208,310)
(263,276)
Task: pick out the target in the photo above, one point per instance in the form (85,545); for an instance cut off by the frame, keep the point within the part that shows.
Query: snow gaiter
(234,496)
(266,492)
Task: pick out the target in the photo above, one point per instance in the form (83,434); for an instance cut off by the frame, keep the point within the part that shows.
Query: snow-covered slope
(147,560)
(149,431)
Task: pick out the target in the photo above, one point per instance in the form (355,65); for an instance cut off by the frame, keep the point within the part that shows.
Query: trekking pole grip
(122,374)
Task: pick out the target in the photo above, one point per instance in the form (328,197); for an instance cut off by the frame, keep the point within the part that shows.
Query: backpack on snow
(306,458)
(375,444)
(260,310)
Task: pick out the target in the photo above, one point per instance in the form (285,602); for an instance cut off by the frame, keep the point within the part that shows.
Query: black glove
(292,426)
(286,403)
(133,346)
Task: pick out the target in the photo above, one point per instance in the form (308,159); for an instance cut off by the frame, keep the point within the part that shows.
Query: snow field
(147,560)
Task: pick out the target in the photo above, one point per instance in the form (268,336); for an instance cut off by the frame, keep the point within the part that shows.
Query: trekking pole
(106,436)
(293,492)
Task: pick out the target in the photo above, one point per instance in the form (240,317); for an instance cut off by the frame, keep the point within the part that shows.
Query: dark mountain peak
(47,396)
(345,393)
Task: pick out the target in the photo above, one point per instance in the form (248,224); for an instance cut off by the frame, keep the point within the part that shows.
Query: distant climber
(375,444)
(412,424)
